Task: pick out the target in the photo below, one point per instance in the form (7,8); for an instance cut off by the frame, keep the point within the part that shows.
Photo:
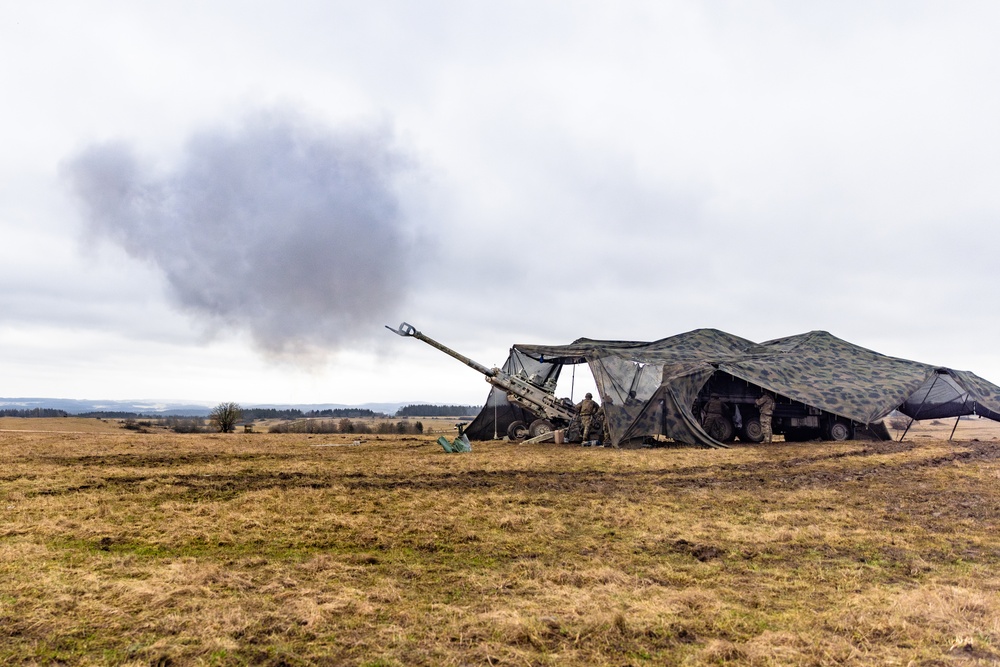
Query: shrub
(181,425)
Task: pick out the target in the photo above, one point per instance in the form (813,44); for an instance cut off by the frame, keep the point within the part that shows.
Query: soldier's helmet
(589,395)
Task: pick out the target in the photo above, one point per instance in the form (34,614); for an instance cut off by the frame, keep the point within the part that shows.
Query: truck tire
(538,427)
(720,428)
(517,430)
(838,431)
(751,431)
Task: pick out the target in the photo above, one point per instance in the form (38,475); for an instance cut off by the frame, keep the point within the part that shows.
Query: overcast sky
(223,201)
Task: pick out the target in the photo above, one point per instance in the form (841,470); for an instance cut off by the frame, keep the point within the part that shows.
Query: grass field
(123,548)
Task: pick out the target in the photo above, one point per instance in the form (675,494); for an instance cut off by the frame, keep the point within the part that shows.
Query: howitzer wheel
(517,430)
(538,427)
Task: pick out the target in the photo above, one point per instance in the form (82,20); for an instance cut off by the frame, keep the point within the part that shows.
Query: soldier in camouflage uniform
(766,406)
(587,409)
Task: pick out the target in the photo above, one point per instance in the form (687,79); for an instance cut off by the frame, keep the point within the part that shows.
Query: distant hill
(79,406)
(175,408)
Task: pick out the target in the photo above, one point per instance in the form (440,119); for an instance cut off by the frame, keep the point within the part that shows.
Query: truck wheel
(538,427)
(838,431)
(720,428)
(517,430)
(751,431)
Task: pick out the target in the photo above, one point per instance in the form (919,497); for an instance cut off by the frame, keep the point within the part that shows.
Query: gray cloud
(280,227)
(611,171)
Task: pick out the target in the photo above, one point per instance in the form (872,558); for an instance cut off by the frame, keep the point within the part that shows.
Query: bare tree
(225,415)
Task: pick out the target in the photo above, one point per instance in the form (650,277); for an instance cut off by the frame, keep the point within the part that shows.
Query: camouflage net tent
(499,413)
(652,390)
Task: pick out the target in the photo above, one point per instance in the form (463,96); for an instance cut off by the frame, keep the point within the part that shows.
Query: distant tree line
(251,414)
(438,411)
(349,413)
(347,426)
(271,413)
(33,412)
(119,414)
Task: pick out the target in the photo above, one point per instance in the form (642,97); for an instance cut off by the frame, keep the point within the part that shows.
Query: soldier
(714,408)
(606,423)
(716,417)
(766,405)
(587,409)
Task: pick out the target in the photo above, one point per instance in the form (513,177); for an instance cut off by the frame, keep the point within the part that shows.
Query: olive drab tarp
(649,388)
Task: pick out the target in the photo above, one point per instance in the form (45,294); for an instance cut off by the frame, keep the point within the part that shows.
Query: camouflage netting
(499,413)
(648,389)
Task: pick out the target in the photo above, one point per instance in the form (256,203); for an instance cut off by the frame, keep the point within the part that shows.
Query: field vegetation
(127,548)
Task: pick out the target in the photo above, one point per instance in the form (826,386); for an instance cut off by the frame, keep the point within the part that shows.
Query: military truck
(726,407)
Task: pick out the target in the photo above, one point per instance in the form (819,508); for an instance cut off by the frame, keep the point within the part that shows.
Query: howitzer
(538,398)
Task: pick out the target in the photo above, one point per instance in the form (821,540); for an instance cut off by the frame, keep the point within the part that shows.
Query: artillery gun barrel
(408,330)
(519,390)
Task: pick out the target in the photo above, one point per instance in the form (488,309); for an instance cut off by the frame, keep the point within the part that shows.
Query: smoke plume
(283,228)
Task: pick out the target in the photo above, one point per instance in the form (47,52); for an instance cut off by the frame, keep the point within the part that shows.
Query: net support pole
(572,384)
(917,413)
(905,430)
(957,419)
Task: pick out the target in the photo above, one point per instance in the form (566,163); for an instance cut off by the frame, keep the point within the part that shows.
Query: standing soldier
(587,409)
(606,423)
(766,405)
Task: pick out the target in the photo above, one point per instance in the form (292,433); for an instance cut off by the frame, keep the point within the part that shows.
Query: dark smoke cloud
(281,227)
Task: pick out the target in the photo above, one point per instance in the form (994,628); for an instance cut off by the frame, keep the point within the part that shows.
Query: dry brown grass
(121,548)
(60,424)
